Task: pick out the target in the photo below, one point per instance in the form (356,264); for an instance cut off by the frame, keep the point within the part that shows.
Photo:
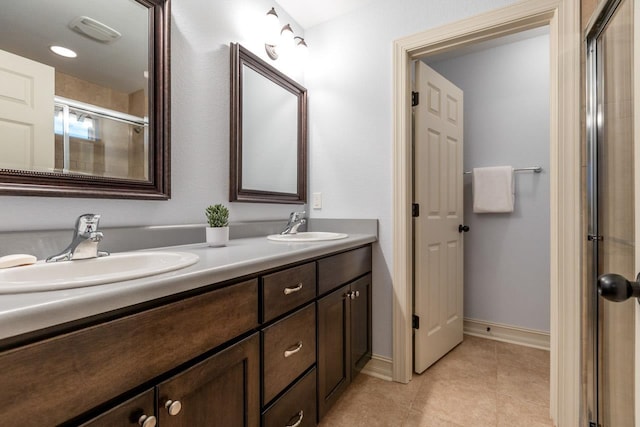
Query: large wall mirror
(92,120)
(268,133)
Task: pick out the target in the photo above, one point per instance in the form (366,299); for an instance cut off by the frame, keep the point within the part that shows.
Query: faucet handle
(296,216)
(87,223)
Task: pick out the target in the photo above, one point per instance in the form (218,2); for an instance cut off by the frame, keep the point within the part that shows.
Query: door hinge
(592,424)
(591,237)
(415,98)
(415,322)
(415,210)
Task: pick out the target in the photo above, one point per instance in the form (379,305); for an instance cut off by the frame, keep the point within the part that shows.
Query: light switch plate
(316,200)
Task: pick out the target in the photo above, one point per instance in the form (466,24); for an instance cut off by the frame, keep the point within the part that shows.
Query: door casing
(563,18)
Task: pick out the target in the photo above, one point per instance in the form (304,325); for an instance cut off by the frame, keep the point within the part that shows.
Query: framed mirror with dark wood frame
(93,123)
(268,133)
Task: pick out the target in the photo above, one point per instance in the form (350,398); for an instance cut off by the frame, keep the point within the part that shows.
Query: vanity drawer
(65,376)
(289,348)
(299,403)
(285,290)
(339,269)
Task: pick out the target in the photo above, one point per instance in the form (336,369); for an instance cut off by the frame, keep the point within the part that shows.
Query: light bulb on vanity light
(302,50)
(272,28)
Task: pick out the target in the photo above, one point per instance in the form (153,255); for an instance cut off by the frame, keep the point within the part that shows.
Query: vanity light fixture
(280,37)
(63,51)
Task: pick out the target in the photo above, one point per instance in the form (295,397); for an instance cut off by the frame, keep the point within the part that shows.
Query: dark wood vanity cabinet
(132,412)
(276,349)
(222,390)
(344,327)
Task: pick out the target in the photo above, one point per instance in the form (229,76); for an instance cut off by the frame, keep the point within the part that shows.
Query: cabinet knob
(357,294)
(146,421)
(173,407)
(298,420)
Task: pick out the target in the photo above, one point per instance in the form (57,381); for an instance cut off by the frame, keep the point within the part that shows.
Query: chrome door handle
(297,288)
(615,287)
(293,350)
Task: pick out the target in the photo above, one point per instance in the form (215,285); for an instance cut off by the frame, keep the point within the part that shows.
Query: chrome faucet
(296,219)
(85,241)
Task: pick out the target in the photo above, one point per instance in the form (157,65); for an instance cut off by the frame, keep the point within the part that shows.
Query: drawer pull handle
(297,423)
(173,407)
(288,291)
(294,350)
(146,421)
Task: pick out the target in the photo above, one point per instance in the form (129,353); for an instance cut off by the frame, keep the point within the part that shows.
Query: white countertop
(29,312)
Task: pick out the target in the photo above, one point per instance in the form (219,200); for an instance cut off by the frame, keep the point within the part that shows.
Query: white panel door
(438,271)
(26,114)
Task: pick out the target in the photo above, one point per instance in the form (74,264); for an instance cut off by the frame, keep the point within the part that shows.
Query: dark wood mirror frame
(237,193)
(30,183)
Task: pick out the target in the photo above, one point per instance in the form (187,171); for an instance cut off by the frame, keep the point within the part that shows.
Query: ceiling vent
(93,29)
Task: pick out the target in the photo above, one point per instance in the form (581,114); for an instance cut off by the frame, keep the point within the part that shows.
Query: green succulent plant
(217,215)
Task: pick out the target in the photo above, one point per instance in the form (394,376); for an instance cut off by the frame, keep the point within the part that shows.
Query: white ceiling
(309,13)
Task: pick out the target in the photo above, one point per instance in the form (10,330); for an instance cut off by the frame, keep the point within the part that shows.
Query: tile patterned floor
(481,383)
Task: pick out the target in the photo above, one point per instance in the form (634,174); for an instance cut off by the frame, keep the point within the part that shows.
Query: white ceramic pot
(217,236)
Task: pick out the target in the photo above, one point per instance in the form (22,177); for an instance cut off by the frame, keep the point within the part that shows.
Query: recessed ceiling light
(63,51)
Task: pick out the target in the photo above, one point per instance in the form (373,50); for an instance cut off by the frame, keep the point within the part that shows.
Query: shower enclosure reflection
(94,141)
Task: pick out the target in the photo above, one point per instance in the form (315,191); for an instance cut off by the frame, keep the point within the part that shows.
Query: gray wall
(506,108)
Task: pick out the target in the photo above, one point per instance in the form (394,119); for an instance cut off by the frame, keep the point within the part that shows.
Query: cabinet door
(222,390)
(133,412)
(334,366)
(360,324)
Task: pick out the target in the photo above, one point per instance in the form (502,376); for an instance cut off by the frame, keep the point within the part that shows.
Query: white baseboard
(379,367)
(507,333)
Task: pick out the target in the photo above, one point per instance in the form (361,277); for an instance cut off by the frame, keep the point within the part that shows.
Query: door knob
(615,287)
(463,228)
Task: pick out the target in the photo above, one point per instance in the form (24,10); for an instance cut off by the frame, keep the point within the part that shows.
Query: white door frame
(563,17)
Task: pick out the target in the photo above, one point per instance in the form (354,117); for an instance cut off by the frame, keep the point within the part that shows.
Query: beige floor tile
(400,394)
(515,413)
(479,383)
(474,361)
(523,384)
(363,405)
(421,419)
(524,357)
(456,401)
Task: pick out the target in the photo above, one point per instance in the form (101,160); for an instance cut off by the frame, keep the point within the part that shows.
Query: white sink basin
(307,236)
(43,276)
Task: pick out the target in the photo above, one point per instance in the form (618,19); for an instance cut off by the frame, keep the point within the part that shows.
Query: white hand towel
(493,189)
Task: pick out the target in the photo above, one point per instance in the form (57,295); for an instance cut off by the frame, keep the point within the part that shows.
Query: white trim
(563,17)
(379,367)
(636,152)
(507,333)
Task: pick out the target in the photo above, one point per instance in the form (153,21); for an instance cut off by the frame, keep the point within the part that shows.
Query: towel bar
(536,169)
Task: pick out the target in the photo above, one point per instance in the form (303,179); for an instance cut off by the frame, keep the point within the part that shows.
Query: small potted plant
(218,229)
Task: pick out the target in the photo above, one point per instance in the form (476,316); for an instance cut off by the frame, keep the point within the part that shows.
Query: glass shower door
(612,214)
